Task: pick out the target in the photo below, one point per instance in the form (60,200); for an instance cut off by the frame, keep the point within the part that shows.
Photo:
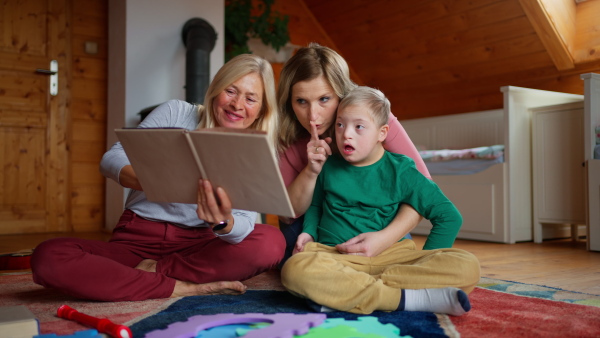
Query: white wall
(155,51)
(147,63)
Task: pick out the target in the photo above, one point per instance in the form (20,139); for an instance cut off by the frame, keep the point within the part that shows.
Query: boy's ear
(383,131)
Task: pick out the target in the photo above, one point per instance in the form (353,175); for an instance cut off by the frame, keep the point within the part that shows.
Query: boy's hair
(378,104)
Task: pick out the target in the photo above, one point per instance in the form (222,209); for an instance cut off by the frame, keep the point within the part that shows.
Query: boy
(359,191)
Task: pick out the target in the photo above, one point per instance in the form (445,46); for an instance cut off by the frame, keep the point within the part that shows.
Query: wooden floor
(559,263)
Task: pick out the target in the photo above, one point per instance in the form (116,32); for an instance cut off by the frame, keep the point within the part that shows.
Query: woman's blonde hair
(236,68)
(307,64)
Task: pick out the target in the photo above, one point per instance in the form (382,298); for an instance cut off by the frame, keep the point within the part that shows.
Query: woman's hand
(214,206)
(368,244)
(302,188)
(303,238)
(318,150)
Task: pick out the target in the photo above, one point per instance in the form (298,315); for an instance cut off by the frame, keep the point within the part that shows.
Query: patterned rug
(500,309)
(510,309)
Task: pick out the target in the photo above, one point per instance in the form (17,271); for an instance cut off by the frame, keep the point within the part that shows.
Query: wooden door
(33,124)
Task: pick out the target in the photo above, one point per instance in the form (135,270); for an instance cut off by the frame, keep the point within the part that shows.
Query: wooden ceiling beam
(587,37)
(554,23)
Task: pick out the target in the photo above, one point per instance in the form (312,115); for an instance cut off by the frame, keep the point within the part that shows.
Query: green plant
(240,25)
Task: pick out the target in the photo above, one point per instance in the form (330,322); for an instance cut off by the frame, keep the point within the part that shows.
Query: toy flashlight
(103,325)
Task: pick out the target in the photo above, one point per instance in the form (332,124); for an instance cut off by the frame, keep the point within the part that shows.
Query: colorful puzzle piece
(225,331)
(283,325)
(80,334)
(242,331)
(340,331)
(367,324)
(230,331)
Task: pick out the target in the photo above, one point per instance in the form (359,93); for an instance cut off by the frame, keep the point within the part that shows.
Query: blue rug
(415,324)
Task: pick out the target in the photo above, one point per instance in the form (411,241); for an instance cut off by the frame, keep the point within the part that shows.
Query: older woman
(160,250)
(311,85)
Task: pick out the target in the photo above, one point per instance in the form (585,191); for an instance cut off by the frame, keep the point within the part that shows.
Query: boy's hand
(317,150)
(303,238)
(368,244)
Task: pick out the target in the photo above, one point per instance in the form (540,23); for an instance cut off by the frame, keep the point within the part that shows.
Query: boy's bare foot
(215,288)
(147,265)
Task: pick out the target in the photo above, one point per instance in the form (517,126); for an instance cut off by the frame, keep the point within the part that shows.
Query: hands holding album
(214,206)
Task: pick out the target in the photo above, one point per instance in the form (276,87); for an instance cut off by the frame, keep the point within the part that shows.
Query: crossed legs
(362,285)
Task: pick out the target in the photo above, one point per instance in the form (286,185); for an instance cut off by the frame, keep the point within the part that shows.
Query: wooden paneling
(88,88)
(86,151)
(304,29)
(554,22)
(87,217)
(587,27)
(34,157)
(23,27)
(24,168)
(88,110)
(438,57)
(87,131)
(86,195)
(89,68)
(86,174)
(19,90)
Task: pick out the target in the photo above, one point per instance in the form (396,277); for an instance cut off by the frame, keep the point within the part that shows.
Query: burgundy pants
(105,271)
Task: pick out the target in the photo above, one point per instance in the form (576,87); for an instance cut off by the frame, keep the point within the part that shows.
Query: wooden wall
(88,113)
(438,57)
(304,29)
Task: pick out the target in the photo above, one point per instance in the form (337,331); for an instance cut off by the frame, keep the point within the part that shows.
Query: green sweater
(351,200)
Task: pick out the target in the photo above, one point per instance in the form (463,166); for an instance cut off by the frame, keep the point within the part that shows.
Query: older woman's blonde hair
(236,68)
(307,64)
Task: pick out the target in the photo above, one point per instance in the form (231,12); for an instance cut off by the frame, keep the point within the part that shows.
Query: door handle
(53,72)
(45,71)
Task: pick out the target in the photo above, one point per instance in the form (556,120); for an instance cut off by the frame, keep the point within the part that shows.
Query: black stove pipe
(199,38)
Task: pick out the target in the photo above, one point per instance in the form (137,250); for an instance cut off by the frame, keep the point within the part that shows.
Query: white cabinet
(593,173)
(558,169)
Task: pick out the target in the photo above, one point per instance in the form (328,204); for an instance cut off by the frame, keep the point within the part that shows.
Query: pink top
(294,159)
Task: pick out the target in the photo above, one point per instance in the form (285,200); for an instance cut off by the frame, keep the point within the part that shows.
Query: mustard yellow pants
(360,284)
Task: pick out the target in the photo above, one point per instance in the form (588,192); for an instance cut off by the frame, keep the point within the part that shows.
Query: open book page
(245,166)
(163,163)
(241,162)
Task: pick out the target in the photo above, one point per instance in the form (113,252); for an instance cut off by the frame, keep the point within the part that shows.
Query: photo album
(169,163)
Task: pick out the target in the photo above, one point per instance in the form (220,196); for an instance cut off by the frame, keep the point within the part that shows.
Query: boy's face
(358,137)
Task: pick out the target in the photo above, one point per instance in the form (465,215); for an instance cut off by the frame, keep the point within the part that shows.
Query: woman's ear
(383,131)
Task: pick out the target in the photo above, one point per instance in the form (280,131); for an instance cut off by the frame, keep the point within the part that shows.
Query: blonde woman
(312,84)
(160,250)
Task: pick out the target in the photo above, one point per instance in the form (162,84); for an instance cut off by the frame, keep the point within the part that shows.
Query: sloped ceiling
(437,57)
